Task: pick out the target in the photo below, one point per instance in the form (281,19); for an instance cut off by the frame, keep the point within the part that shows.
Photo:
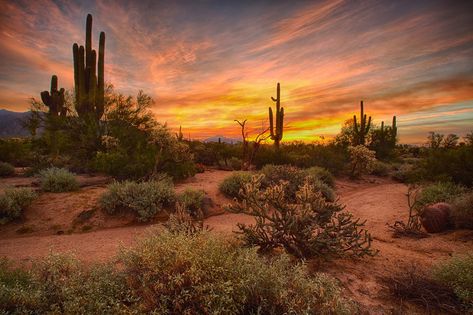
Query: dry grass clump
(410,284)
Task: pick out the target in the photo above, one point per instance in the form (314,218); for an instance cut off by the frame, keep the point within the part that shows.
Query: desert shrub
(448,164)
(231,185)
(305,227)
(122,165)
(380,168)
(327,192)
(192,200)
(235,163)
(457,273)
(144,199)
(362,160)
(295,177)
(411,284)
(203,273)
(60,284)
(182,222)
(55,179)
(322,174)
(404,173)
(6,169)
(438,192)
(462,211)
(172,274)
(412,227)
(199,168)
(16,151)
(303,155)
(13,202)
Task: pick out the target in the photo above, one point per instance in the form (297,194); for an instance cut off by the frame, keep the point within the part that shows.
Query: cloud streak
(208,63)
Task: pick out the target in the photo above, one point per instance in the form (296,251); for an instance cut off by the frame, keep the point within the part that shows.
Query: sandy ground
(378,201)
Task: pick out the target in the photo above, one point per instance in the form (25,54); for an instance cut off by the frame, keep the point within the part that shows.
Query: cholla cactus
(362,160)
(307,227)
(110,142)
(181,222)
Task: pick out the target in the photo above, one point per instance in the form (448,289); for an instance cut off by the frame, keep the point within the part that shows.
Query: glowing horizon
(209,63)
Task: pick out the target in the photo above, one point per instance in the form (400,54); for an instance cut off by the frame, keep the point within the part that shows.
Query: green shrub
(203,273)
(462,211)
(145,199)
(122,165)
(231,185)
(380,168)
(172,274)
(60,284)
(235,163)
(453,164)
(404,173)
(55,179)
(13,202)
(439,192)
(6,169)
(192,200)
(457,273)
(322,174)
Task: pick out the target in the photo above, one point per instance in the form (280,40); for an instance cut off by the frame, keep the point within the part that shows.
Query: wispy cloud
(208,63)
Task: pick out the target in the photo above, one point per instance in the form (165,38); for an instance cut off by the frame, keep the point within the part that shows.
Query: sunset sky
(207,63)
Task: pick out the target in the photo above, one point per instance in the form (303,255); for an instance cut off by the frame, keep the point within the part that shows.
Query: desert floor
(72,222)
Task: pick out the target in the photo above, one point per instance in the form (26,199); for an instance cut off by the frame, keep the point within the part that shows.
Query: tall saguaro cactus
(54,99)
(361,129)
(89,75)
(276,127)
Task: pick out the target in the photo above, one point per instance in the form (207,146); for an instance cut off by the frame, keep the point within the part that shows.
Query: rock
(435,218)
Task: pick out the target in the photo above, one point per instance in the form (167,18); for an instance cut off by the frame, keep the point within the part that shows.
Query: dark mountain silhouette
(11,124)
(222,139)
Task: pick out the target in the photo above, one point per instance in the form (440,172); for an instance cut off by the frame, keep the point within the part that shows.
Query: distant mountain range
(11,124)
(222,139)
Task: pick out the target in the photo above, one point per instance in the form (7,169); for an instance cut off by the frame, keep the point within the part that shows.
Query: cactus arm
(46,98)
(368,125)
(88,41)
(100,94)
(92,80)
(82,91)
(281,119)
(54,99)
(75,54)
(62,109)
(271,125)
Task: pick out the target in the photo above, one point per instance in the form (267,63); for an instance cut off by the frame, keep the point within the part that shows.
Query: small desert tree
(307,227)
(361,160)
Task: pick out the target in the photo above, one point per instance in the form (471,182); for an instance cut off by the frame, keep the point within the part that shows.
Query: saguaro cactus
(361,129)
(54,99)
(276,130)
(388,134)
(89,75)
(393,131)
